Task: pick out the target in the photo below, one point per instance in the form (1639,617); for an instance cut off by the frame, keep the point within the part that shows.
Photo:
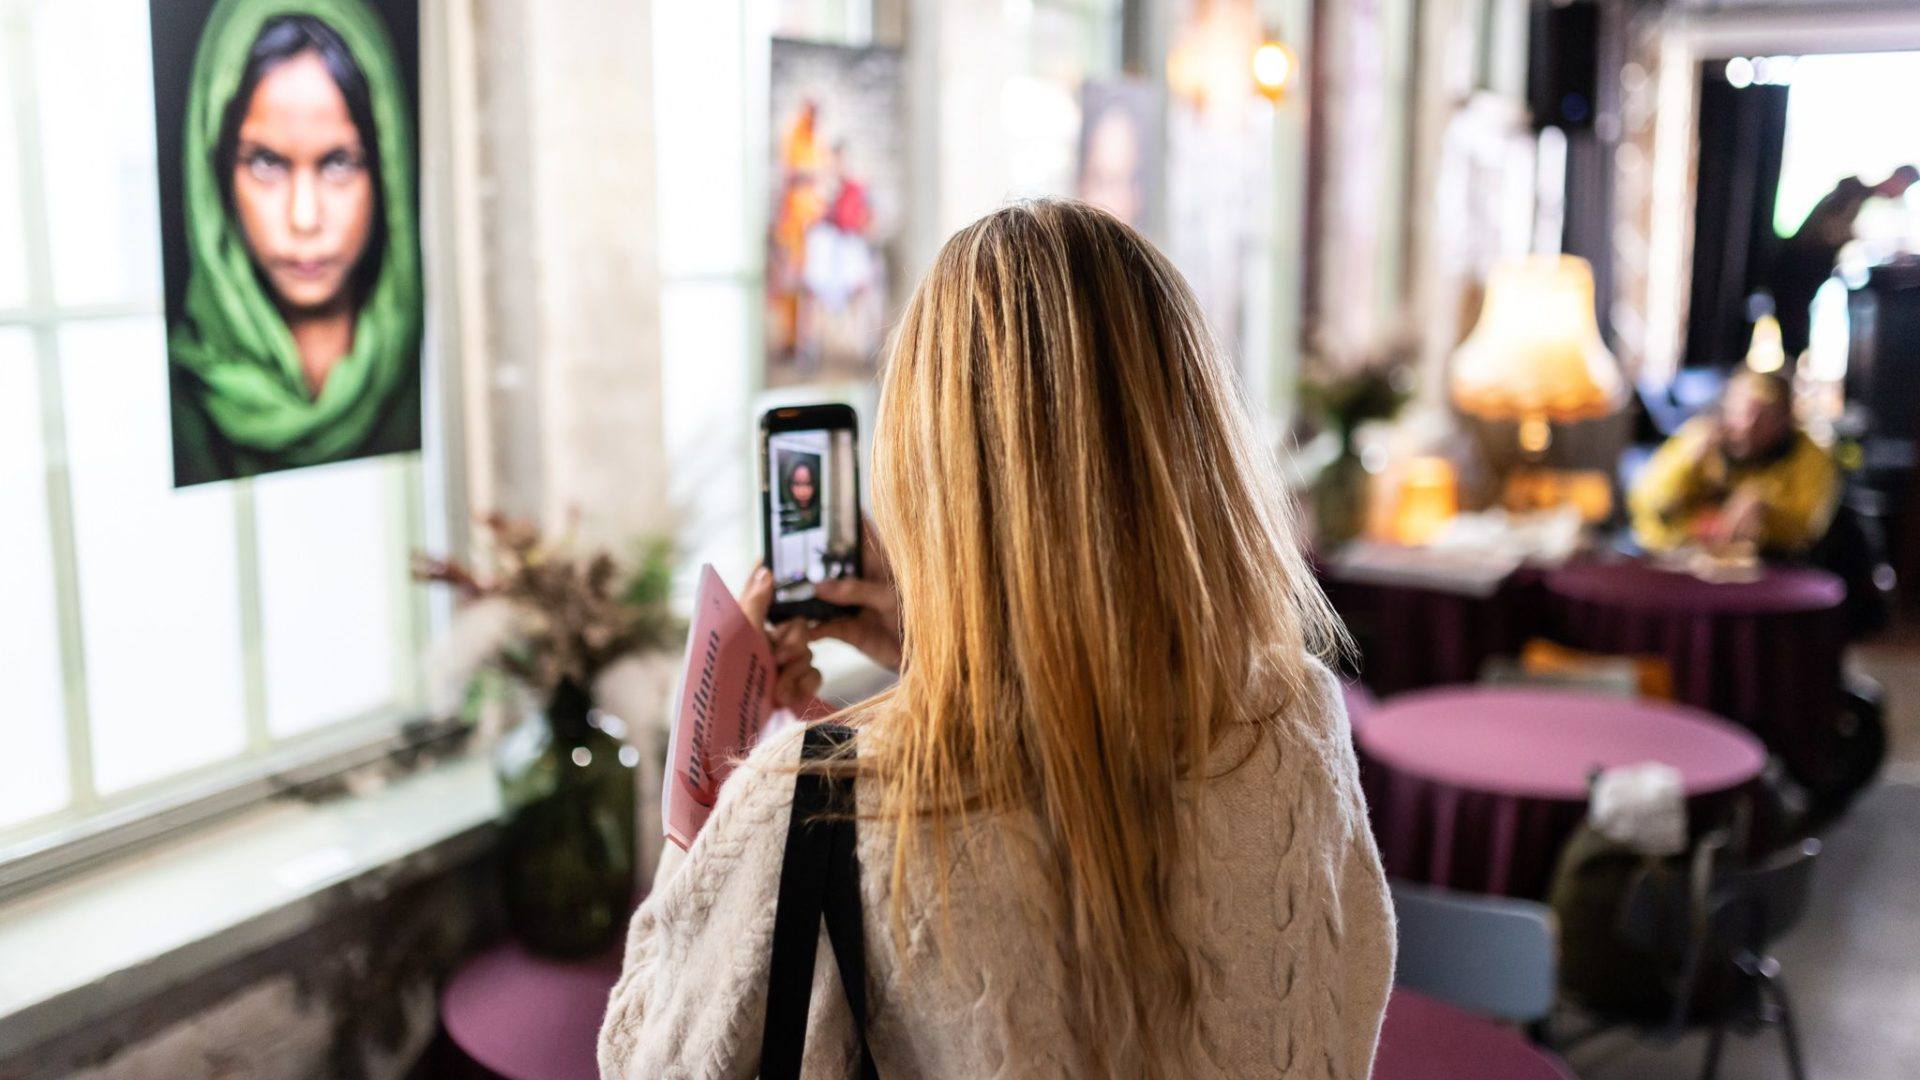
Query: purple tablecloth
(1477,788)
(1412,638)
(1424,1039)
(524,1017)
(1360,702)
(1764,654)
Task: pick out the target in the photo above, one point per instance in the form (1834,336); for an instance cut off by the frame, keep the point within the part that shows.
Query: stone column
(565,411)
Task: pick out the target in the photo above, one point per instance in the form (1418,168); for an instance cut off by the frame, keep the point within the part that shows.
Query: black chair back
(1754,907)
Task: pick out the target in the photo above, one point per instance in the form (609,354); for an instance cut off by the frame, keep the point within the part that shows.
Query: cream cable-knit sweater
(1288,912)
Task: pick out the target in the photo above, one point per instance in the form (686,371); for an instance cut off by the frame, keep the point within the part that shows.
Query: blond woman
(1109,822)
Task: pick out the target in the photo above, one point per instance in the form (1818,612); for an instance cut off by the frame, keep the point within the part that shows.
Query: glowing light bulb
(1767,353)
(1273,68)
(1535,434)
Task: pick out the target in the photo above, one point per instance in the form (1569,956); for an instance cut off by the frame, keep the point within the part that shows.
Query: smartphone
(809,505)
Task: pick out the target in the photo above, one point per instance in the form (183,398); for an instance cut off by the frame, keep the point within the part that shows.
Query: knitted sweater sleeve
(1370,935)
(692,992)
(1359,914)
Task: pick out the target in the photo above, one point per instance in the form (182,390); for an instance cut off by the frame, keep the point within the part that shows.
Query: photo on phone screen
(812,514)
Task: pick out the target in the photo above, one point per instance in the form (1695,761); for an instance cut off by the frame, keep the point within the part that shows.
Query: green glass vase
(1340,500)
(567,843)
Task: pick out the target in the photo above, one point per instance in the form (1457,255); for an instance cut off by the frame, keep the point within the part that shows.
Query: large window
(1837,127)
(156,642)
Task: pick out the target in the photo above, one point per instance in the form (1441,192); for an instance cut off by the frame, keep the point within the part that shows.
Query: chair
(1746,912)
(1725,976)
(1492,955)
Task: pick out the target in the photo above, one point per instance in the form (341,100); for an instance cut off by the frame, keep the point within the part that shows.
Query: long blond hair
(1097,576)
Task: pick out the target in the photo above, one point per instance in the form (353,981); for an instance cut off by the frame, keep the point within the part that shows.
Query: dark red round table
(1764,654)
(1478,788)
(515,1015)
(1424,1039)
(519,1016)
(1411,637)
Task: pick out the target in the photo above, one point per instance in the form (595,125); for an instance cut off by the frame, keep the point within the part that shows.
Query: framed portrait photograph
(838,179)
(1121,147)
(290,238)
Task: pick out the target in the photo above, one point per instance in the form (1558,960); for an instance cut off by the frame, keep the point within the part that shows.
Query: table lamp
(1536,356)
(1429,497)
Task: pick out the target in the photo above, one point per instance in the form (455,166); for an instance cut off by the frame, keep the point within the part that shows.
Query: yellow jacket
(1685,483)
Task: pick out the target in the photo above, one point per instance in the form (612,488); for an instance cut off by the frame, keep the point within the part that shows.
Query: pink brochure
(725,700)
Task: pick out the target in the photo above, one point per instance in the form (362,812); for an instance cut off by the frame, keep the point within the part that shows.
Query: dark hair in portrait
(176,26)
(281,39)
(796,513)
(790,465)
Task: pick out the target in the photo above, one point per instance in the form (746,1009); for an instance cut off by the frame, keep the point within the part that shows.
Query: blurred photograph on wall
(1121,146)
(838,184)
(289,231)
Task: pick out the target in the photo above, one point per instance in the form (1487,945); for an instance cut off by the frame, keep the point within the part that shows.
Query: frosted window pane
(33,768)
(96,132)
(700,84)
(329,549)
(708,419)
(159,587)
(13,240)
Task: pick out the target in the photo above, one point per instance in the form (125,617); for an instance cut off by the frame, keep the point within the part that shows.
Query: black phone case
(806,418)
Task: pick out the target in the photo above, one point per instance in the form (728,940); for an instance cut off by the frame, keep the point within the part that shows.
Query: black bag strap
(846,927)
(819,878)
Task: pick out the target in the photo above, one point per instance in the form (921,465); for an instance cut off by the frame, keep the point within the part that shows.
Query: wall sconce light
(1208,63)
(1274,68)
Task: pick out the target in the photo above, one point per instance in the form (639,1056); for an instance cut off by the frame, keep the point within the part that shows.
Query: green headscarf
(232,338)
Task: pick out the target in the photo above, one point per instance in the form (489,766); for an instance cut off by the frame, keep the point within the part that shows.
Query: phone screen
(813,512)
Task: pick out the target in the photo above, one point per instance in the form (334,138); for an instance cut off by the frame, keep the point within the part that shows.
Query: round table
(1359,700)
(1413,637)
(1478,788)
(1424,1039)
(516,1015)
(1764,654)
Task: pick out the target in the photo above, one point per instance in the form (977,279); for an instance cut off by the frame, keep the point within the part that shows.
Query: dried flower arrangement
(1340,392)
(1359,389)
(543,614)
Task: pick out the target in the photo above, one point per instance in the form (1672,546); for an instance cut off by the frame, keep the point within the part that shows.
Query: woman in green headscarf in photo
(299,338)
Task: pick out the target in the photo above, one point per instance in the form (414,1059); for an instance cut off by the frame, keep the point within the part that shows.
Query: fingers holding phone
(874,628)
(829,576)
(795,680)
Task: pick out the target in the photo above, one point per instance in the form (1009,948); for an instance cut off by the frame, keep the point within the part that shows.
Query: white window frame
(93,828)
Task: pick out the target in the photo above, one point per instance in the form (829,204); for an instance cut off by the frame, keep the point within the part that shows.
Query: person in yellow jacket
(1746,475)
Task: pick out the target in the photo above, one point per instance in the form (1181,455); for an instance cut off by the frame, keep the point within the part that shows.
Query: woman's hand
(795,680)
(875,630)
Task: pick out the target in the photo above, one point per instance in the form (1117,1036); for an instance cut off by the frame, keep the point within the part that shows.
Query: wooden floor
(1853,967)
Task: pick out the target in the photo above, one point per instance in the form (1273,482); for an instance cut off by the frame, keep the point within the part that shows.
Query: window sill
(138,925)
(96,943)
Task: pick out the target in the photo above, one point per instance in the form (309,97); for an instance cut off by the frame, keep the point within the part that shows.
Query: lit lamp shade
(1536,356)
